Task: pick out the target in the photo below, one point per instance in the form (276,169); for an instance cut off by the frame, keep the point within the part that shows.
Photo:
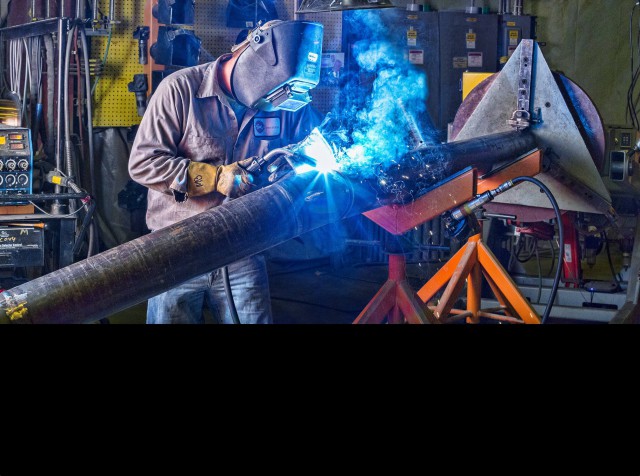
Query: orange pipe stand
(397,303)
(469,264)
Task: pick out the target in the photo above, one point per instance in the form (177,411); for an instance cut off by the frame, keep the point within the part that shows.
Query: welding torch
(455,220)
(472,205)
(293,159)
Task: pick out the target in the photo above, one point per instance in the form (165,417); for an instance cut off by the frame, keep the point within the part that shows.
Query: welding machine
(16,163)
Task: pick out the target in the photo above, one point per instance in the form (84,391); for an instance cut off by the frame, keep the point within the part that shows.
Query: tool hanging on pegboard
(176,47)
(175,12)
(176,44)
(247,13)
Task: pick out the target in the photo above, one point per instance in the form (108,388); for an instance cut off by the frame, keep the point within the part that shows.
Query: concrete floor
(306,293)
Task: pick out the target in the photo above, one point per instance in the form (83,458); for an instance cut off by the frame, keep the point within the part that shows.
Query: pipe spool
(121,277)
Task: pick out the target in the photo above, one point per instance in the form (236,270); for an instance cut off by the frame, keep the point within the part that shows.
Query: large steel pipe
(123,276)
(139,269)
(412,175)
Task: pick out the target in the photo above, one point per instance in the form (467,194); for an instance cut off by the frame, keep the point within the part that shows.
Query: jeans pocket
(212,277)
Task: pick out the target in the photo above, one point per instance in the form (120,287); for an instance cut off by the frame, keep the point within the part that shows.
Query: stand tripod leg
(457,281)
(411,309)
(376,311)
(395,301)
(506,286)
(474,293)
(442,277)
(504,303)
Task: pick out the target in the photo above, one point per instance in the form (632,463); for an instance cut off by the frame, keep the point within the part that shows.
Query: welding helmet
(278,66)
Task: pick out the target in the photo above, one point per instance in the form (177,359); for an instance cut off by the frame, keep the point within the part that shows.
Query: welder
(203,127)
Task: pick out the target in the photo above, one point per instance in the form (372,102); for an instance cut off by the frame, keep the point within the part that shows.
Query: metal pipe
(518,7)
(112,11)
(33,9)
(95,13)
(81,9)
(63,23)
(123,276)
(419,170)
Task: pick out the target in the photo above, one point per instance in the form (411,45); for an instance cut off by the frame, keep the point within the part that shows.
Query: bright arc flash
(316,148)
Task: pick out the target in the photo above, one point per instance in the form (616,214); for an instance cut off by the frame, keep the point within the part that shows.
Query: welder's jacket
(189,118)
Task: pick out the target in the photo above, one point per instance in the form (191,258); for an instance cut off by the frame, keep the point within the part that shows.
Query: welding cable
(104,58)
(539,274)
(68,149)
(89,204)
(553,257)
(50,123)
(86,223)
(635,74)
(93,230)
(556,209)
(227,290)
(27,82)
(613,272)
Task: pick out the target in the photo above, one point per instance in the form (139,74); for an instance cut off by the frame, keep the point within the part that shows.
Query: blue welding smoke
(382,113)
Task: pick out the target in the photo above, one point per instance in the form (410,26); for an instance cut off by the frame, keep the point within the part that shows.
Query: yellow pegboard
(114,105)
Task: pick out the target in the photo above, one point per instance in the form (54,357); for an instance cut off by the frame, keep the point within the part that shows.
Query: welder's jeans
(184,303)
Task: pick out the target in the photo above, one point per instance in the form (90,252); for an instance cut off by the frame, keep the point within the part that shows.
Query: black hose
(86,222)
(613,271)
(93,229)
(50,126)
(556,209)
(227,290)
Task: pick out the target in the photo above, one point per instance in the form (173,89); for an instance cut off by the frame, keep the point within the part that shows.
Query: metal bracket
(521,117)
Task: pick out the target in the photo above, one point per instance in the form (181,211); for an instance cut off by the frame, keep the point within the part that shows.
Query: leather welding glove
(232,180)
(278,169)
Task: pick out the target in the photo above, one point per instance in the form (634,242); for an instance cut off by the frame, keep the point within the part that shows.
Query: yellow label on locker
(511,23)
(412,37)
(514,36)
(3,140)
(471,41)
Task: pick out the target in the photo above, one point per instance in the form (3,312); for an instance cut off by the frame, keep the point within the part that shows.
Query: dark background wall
(586,40)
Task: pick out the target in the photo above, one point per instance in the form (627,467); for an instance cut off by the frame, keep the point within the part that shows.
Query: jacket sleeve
(154,160)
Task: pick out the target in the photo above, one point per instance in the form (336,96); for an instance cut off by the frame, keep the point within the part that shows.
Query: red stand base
(395,302)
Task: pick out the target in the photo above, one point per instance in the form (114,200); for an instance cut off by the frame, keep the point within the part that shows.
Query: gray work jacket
(189,118)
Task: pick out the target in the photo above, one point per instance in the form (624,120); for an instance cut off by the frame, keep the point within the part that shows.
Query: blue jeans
(249,287)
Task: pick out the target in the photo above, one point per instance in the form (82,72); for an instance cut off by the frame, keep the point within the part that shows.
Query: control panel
(620,173)
(16,163)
